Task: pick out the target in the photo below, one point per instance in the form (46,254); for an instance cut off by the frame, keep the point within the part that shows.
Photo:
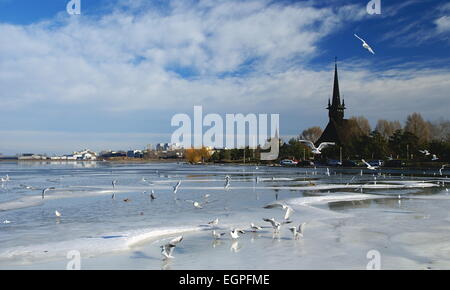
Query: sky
(115,75)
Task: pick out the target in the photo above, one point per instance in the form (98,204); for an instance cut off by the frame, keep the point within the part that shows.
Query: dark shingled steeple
(336,110)
(338,130)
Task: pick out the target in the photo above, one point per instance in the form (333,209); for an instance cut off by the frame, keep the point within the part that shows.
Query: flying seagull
(317,150)
(368,165)
(298,232)
(167,250)
(275,225)
(365,45)
(57,213)
(426,152)
(45,190)
(175,188)
(288,210)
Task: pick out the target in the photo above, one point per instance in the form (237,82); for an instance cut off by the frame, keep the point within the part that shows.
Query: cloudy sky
(113,77)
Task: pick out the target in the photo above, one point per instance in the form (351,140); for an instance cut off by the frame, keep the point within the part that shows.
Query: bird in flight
(298,232)
(45,190)
(317,150)
(369,166)
(365,45)
(167,249)
(288,210)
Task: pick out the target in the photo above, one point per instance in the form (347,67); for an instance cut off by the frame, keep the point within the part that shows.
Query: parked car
(288,162)
(349,163)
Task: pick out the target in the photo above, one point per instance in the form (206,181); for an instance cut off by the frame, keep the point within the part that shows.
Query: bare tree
(312,134)
(363,124)
(440,130)
(418,126)
(387,128)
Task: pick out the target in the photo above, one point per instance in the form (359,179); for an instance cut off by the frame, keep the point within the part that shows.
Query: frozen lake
(403,216)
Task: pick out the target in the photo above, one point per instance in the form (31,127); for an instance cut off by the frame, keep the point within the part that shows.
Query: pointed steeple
(336,109)
(336,94)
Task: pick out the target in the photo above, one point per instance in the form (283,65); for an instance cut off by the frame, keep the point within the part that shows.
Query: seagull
(214,222)
(175,188)
(365,45)
(176,240)
(152,195)
(442,168)
(114,183)
(369,166)
(288,210)
(298,232)
(328,172)
(217,235)
(167,251)
(234,234)
(426,152)
(45,190)
(317,150)
(57,213)
(6,222)
(254,227)
(227,182)
(275,225)
(434,158)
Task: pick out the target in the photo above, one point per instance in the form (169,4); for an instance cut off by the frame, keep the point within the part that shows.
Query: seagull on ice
(114,182)
(57,213)
(234,234)
(175,188)
(317,150)
(288,210)
(426,152)
(152,195)
(369,166)
(217,235)
(167,249)
(45,190)
(214,222)
(365,45)
(254,227)
(298,232)
(275,225)
(6,222)
(227,182)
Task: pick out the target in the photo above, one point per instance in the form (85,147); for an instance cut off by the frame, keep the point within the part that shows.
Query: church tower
(339,130)
(336,108)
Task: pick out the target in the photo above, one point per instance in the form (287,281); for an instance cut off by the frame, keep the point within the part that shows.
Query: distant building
(135,154)
(339,130)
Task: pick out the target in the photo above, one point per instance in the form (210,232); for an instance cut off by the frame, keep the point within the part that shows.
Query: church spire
(336,110)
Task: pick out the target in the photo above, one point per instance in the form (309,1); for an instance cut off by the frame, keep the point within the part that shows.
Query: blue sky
(113,77)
